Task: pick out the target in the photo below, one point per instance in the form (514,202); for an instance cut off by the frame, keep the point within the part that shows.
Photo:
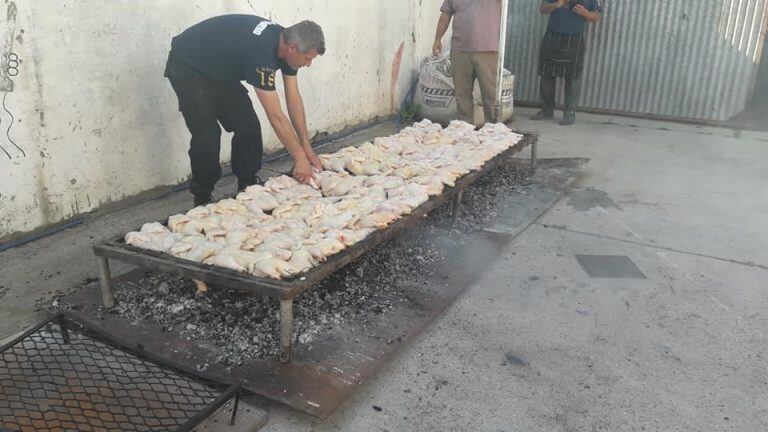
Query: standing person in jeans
(562,53)
(205,66)
(474,52)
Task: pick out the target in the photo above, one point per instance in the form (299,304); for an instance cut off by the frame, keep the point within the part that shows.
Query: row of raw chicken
(285,228)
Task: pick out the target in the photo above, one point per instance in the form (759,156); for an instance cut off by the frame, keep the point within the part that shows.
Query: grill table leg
(234,409)
(105,276)
(456,207)
(534,155)
(286,330)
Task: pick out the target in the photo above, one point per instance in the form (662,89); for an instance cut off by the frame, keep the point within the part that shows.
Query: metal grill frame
(287,290)
(66,321)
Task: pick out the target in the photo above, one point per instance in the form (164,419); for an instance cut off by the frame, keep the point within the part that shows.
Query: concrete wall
(92,120)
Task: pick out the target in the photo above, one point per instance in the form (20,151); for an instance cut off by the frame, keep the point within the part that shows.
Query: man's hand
(590,16)
(313,159)
(302,170)
(437,47)
(547,7)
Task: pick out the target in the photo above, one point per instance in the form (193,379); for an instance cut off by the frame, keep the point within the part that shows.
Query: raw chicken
(302,260)
(199,212)
(238,237)
(337,222)
(406,171)
(161,243)
(251,243)
(384,181)
(397,206)
(413,195)
(389,145)
(377,219)
(195,249)
(153,236)
(197,227)
(229,206)
(260,199)
(340,184)
(280,240)
(297,193)
(176,222)
(433,184)
(273,268)
(237,259)
(333,162)
(217,236)
(324,248)
(361,204)
(364,188)
(276,184)
(225,260)
(277,252)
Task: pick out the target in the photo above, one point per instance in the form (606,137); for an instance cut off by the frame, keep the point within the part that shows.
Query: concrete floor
(537,344)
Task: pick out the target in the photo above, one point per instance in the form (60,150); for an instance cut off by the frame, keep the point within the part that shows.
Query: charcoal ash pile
(480,204)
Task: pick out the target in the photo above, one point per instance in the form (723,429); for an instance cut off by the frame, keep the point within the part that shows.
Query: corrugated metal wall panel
(682,58)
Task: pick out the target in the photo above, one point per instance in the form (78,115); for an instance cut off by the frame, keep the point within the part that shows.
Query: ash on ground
(246,326)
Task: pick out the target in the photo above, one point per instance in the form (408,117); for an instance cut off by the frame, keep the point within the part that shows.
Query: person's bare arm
(590,16)
(547,8)
(285,133)
(298,117)
(442,27)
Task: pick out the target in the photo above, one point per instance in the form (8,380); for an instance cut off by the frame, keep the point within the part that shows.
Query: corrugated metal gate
(695,59)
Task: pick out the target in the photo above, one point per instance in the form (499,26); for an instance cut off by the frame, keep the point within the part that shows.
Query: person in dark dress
(562,53)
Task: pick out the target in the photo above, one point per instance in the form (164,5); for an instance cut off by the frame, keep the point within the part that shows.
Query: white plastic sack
(435,92)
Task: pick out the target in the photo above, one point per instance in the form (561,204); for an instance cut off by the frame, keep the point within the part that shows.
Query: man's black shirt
(234,48)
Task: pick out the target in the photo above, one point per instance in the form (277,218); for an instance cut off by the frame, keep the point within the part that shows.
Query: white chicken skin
(284,228)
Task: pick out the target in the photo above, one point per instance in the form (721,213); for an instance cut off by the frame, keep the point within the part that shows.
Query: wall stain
(6,50)
(9,68)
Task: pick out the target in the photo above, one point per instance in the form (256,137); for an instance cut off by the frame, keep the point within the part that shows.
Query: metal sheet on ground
(321,378)
(318,380)
(517,212)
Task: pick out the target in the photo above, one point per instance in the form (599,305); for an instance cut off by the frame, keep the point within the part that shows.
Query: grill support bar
(456,207)
(286,330)
(105,277)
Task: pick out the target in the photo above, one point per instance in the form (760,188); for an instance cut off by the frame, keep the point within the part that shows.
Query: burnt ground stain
(513,360)
(589,198)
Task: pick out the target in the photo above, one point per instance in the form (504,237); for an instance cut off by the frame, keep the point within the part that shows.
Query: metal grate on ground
(66,375)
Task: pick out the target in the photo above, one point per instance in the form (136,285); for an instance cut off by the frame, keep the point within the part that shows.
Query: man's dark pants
(205,103)
(572,93)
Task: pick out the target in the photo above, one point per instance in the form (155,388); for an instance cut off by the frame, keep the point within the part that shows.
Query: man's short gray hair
(307,35)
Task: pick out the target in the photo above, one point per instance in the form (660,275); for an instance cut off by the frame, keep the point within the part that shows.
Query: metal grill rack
(287,290)
(66,375)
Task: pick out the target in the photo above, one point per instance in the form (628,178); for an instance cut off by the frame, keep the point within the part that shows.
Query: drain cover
(609,266)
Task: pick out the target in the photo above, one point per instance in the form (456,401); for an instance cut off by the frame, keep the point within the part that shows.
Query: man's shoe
(543,115)
(203,200)
(244,182)
(569,118)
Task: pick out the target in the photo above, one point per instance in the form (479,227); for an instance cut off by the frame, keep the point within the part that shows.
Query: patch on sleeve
(261,27)
(266,78)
